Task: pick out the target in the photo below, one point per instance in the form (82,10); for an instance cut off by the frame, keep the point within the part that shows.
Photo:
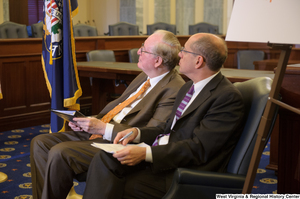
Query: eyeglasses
(183,49)
(142,50)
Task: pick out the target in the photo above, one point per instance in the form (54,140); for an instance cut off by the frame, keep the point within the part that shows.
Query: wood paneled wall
(26,12)
(18,11)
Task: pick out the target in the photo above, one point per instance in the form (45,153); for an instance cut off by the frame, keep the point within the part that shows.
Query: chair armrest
(188,183)
(206,178)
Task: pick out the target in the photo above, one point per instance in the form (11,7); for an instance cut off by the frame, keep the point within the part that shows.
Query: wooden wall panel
(18,11)
(20,48)
(26,100)
(13,87)
(26,11)
(295,54)
(125,42)
(37,91)
(25,96)
(86,44)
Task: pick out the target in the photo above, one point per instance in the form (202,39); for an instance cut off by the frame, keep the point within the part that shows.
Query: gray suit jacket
(154,108)
(205,135)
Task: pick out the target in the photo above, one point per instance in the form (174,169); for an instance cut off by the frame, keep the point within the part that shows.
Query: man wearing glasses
(201,133)
(56,158)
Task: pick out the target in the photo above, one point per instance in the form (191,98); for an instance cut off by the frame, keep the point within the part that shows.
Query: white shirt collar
(200,85)
(155,80)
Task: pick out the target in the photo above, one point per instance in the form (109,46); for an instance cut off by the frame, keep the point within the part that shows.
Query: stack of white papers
(112,148)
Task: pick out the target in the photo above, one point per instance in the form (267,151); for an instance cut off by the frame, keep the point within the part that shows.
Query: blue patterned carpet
(14,161)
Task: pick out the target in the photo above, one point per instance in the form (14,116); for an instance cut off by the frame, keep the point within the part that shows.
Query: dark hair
(214,53)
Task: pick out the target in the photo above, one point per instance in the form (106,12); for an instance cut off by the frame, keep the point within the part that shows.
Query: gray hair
(168,49)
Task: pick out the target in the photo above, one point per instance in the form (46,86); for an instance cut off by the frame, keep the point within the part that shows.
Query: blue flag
(59,59)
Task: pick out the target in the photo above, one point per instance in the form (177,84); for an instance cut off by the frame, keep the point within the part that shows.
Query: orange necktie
(111,114)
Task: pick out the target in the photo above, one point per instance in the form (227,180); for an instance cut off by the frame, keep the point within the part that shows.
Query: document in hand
(67,115)
(112,148)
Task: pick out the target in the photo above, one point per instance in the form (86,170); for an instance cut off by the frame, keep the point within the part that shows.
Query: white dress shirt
(119,117)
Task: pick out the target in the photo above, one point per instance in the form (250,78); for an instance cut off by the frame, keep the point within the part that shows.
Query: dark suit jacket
(205,135)
(154,109)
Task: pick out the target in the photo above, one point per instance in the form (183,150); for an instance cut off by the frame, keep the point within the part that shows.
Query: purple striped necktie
(184,102)
(179,110)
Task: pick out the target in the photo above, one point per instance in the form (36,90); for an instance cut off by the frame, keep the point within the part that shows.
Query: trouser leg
(105,178)
(39,149)
(145,185)
(64,161)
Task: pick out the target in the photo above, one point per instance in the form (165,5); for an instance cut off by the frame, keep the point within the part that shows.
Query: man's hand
(74,126)
(131,155)
(91,125)
(126,140)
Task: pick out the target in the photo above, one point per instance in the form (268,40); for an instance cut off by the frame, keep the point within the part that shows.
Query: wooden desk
(289,136)
(102,71)
(270,64)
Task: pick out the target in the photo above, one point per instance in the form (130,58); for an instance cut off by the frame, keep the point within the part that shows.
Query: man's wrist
(103,128)
(107,131)
(149,157)
(137,139)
